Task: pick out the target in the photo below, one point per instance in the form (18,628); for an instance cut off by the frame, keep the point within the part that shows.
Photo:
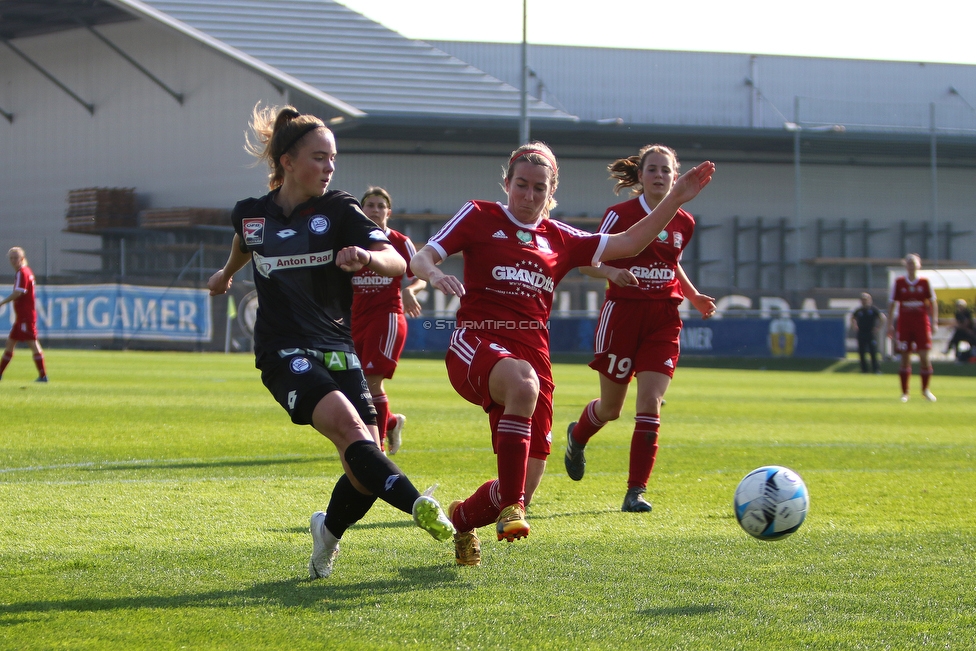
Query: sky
(935,31)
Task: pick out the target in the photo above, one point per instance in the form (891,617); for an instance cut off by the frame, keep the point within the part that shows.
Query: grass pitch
(161,501)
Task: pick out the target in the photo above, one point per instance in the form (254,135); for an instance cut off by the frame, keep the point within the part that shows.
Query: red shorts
(379,343)
(636,336)
(913,334)
(469,361)
(23,331)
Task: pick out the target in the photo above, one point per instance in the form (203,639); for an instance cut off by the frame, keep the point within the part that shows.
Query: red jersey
(24,306)
(372,292)
(511,269)
(914,300)
(656,266)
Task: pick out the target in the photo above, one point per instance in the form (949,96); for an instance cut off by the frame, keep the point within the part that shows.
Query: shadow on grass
(675,611)
(170,465)
(290,593)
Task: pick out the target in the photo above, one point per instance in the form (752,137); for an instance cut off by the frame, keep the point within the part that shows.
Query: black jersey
(304,299)
(866,319)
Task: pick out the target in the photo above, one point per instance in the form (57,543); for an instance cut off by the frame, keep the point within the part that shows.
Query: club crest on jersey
(318,224)
(524,236)
(543,244)
(678,240)
(300,365)
(253,231)
(663,236)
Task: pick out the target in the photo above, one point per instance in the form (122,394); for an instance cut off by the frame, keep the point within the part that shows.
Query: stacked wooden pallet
(91,209)
(183,217)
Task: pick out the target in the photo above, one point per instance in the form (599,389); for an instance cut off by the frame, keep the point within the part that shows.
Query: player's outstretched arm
(636,238)
(424,266)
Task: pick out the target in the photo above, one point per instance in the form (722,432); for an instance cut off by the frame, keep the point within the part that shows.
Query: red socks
(39,363)
(926,374)
(905,374)
(479,510)
(382,404)
(512,438)
(5,360)
(643,449)
(587,425)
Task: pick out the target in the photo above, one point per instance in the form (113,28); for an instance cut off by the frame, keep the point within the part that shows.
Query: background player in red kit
(25,322)
(514,256)
(379,327)
(917,318)
(638,330)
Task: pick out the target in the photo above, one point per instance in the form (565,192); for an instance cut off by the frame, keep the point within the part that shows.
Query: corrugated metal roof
(705,89)
(351,58)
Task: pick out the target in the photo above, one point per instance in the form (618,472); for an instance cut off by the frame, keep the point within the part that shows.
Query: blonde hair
(277,131)
(626,170)
(537,153)
(377,191)
(23,256)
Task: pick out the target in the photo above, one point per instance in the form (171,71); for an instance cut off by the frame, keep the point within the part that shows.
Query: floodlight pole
(524,103)
(933,163)
(797,186)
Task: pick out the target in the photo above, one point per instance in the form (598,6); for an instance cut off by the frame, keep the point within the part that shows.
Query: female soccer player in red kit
(379,327)
(25,310)
(637,334)
(514,256)
(917,319)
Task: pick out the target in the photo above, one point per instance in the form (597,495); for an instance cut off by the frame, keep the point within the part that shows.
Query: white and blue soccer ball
(771,502)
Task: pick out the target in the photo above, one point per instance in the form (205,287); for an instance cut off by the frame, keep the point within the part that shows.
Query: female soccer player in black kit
(305,244)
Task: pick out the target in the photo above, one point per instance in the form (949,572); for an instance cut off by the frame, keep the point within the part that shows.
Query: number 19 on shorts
(619,368)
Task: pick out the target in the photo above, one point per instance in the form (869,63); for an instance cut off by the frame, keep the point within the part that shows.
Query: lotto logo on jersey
(253,231)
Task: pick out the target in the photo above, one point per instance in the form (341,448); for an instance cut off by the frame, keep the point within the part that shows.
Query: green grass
(161,501)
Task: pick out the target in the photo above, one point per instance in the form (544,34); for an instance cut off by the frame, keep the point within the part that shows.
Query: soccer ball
(771,502)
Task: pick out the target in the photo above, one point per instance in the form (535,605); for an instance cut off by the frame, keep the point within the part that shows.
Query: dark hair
(377,191)
(625,170)
(277,131)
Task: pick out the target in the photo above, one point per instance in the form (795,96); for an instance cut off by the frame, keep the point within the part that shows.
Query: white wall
(192,155)
(139,136)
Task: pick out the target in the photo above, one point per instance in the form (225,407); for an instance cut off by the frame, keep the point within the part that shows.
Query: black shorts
(298,379)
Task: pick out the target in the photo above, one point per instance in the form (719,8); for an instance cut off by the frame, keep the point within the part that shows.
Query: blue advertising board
(117,311)
(739,337)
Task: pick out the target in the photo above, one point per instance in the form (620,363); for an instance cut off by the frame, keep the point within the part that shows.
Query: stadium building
(829,170)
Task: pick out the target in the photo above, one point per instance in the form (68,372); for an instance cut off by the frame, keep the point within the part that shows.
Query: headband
(305,129)
(524,152)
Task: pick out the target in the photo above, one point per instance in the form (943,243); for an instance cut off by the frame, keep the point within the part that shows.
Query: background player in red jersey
(25,322)
(913,314)
(514,256)
(639,326)
(379,326)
